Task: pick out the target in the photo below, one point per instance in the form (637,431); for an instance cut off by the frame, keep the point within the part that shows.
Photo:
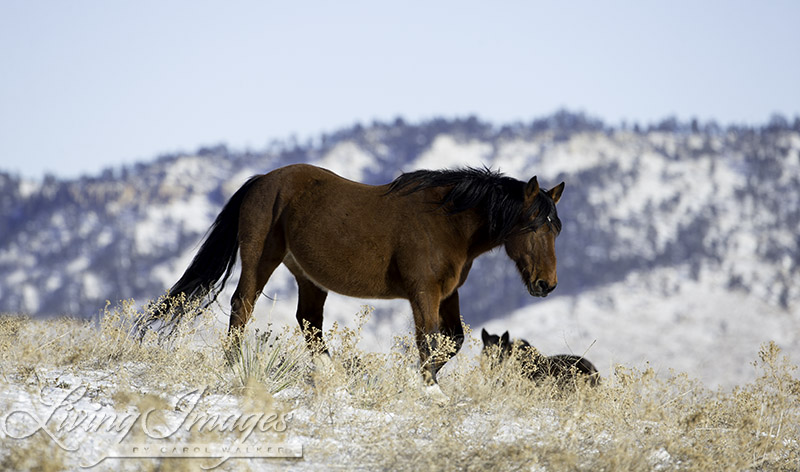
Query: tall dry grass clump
(274,360)
(112,344)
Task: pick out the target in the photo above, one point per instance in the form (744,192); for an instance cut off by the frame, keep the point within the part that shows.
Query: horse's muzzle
(540,288)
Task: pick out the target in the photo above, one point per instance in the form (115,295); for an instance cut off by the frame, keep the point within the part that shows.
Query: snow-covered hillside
(680,243)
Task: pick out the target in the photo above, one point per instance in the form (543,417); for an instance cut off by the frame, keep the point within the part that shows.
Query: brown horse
(414,238)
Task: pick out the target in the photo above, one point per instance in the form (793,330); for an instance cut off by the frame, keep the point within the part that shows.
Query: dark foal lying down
(562,367)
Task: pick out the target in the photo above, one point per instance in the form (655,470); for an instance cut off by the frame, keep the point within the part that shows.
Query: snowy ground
(663,319)
(638,419)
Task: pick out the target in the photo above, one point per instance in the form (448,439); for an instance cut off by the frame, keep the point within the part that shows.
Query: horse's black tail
(217,255)
(211,266)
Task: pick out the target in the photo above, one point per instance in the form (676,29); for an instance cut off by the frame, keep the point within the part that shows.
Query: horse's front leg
(425,307)
(426,319)
(451,328)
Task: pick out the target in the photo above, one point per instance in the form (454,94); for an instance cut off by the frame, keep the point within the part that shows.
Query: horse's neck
(470,224)
(475,230)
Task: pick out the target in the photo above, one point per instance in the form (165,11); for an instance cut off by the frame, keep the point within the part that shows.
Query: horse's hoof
(323,363)
(435,395)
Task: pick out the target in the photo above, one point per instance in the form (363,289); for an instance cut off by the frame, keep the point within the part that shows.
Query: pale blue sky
(90,84)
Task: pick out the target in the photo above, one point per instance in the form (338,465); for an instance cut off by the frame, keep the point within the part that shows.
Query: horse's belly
(352,280)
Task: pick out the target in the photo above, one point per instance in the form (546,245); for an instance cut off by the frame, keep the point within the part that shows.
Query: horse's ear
(505,336)
(532,188)
(555,192)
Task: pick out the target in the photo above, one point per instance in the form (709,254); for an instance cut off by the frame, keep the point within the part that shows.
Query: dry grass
(368,411)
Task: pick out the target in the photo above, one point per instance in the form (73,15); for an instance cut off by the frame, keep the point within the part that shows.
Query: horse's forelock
(543,212)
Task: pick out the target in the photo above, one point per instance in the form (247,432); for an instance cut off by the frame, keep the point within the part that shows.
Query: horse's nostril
(541,285)
(544,287)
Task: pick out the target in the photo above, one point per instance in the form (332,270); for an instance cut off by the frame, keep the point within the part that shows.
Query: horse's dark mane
(499,198)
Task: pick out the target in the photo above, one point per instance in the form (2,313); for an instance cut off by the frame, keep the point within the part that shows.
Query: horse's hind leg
(259,261)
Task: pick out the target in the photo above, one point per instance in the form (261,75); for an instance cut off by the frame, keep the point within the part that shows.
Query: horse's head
(532,246)
(496,346)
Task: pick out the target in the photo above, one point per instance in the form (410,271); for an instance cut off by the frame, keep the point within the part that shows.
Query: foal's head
(532,245)
(496,345)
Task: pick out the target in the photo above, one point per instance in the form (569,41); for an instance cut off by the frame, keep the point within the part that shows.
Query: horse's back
(342,235)
(566,364)
(301,177)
